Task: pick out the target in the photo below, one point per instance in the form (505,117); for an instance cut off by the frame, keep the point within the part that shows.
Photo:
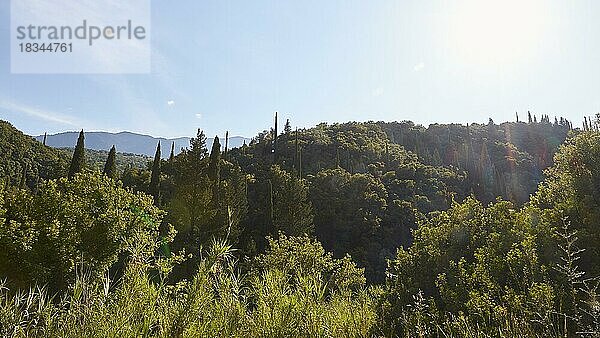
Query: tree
(78,160)
(23,183)
(155,178)
(287,128)
(110,168)
(215,159)
(571,190)
(226,145)
(89,220)
(198,145)
(172,155)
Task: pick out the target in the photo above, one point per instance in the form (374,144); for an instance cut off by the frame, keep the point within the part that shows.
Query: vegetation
(345,230)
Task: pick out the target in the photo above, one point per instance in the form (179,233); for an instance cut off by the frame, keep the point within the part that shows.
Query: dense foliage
(23,159)
(344,230)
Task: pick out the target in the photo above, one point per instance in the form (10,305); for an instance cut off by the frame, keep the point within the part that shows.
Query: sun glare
(496,32)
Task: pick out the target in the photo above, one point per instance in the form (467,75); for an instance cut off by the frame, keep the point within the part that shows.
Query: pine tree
(78,160)
(155,178)
(287,128)
(110,167)
(198,145)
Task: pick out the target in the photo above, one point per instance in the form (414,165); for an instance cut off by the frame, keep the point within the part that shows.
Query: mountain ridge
(128,142)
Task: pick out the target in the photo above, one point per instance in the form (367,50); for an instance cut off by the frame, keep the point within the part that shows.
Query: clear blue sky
(228,65)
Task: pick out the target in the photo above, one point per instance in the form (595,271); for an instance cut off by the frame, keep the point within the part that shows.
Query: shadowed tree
(78,160)
(110,167)
(155,178)
(172,155)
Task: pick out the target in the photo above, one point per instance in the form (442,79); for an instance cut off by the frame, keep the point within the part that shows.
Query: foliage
(89,220)
(78,161)
(217,302)
(19,153)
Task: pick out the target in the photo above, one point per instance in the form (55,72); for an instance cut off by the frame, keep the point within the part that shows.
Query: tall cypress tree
(155,178)
(296,158)
(44,142)
(275,134)
(110,167)
(172,155)
(78,160)
(226,144)
(215,157)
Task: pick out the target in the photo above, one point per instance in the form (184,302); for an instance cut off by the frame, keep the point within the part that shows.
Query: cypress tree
(300,163)
(172,155)
(529,119)
(78,160)
(44,142)
(215,157)
(155,178)
(517,114)
(226,144)
(110,167)
(296,146)
(275,133)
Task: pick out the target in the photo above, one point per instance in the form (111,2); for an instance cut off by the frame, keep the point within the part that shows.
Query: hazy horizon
(224,65)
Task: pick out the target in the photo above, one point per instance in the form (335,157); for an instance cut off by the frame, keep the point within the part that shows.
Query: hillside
(126,142)
(504,160)
(392,219)
(97,158)
(21,154)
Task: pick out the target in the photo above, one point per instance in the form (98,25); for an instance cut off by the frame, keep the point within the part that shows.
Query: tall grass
(218,302)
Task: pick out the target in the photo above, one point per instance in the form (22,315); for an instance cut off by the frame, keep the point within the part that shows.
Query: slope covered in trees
(24,160)
(336,230)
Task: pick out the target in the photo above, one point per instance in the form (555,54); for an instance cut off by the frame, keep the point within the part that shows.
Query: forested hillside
(342,230)
(24,161)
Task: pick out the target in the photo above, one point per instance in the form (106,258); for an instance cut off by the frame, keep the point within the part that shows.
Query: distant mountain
(127,142)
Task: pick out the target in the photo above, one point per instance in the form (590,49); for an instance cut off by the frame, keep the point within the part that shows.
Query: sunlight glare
(496,32)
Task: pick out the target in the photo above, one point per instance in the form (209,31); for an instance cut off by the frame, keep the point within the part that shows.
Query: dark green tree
(78,160)
(172,155)
(110,167)
(155,178)
(287,128)
(214,165)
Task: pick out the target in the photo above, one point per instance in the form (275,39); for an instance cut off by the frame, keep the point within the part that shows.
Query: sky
(229,65)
